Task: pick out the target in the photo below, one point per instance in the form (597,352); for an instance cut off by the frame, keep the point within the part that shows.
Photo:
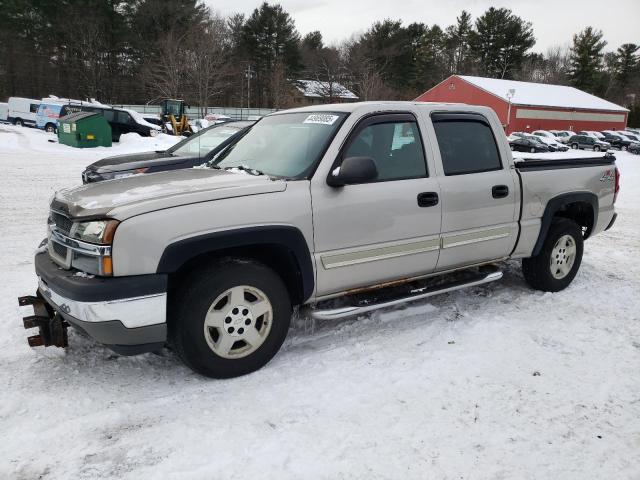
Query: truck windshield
(286,145)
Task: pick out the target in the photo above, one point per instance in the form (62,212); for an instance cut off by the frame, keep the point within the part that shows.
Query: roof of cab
(382,105)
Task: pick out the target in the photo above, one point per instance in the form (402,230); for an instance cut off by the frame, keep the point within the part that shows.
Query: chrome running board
(414,294)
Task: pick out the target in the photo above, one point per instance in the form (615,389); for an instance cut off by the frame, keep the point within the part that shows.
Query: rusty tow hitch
(52,327)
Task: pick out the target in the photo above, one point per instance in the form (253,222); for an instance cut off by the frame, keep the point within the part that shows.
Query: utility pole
(510,93)
(249,74)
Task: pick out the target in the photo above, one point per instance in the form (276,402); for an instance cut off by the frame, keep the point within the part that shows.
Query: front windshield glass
(286,145)
(201,144)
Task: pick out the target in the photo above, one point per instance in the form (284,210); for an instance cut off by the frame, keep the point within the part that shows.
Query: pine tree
(585,60)
(458,46)
(627,65)
(270,36)
(500,42)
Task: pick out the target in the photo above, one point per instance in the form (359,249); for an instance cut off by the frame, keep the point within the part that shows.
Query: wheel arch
(282,248)
(581,207)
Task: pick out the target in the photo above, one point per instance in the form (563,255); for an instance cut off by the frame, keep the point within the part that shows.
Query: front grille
(63,224)
(59,249)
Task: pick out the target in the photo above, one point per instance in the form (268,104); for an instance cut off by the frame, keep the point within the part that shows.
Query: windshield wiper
(249,170)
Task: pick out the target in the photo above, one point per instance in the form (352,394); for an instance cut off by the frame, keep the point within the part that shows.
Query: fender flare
(554,205)
(178,253)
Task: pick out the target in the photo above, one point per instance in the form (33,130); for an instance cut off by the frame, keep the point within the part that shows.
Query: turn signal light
(107,266)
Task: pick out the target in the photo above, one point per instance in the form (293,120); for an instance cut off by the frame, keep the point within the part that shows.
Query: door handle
(427,199)
(500,191)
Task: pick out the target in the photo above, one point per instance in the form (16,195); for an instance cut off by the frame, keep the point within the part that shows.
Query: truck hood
(126,197)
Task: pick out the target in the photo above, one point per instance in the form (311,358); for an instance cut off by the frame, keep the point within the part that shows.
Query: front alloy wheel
(238,322)
(229,318)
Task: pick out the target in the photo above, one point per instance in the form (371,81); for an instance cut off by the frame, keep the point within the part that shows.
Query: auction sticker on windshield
(321,118)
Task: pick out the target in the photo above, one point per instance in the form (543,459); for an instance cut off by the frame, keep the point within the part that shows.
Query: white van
(22,111)
(4,108)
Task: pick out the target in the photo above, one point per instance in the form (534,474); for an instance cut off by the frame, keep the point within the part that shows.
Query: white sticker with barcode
(66,128)
(322,118)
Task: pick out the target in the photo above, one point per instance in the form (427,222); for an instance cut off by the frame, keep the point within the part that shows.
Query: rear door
(479,191)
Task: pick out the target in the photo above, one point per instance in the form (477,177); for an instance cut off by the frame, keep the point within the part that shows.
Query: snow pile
(497,381)
(29,141)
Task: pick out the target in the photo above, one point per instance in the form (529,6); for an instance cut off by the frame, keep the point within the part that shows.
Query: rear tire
(596,148)
(18,122)
(624,148)
(50,128)
(230,318)
(574,146)
(532,150)
(557,264)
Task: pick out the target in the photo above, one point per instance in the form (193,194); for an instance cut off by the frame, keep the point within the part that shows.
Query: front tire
(574,146)
(596,148)
(557,264)
(18,122)
(50,128)
(230,319)
(532,150)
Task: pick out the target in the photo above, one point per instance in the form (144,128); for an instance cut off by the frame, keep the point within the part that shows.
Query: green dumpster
(84,130)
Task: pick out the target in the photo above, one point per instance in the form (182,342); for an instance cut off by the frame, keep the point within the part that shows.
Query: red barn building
(526,106)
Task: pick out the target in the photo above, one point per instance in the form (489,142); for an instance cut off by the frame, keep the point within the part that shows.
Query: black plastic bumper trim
(613,220)
(96,289)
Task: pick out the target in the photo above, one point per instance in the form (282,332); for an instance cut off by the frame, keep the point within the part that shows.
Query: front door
(383,230)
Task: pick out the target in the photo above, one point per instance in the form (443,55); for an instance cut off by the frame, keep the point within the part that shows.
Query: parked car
(22,111)
(333,208)
(563,136)
(528,144)
(122,120)
(617,140)
(551,142)
(592,133)
(544,133)
(190,152)
(588,142)
(631,136)
(51,109)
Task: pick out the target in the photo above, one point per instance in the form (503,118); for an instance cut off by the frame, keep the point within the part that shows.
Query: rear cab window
(467,143)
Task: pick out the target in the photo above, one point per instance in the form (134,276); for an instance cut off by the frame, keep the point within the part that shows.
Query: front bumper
(127,314)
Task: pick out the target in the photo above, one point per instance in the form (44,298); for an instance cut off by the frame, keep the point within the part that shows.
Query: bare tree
(206,66)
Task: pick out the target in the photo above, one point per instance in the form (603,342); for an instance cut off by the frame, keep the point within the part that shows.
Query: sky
(554,21)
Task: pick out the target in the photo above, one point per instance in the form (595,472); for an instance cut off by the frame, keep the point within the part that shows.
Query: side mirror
(353,170)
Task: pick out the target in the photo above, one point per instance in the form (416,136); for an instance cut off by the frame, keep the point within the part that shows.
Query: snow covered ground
(498,382)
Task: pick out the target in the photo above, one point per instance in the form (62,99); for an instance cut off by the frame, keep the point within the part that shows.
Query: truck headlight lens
(97,231)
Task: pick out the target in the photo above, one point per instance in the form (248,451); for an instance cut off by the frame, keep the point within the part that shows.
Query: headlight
(97,231)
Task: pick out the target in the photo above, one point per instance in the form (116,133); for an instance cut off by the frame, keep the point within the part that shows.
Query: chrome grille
(59,250)
(63,224)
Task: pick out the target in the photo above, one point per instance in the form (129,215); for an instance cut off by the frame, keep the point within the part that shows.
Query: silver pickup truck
(335,209)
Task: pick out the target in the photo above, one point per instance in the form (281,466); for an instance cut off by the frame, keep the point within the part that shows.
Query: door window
(395,147)
(467,146)
(109,115)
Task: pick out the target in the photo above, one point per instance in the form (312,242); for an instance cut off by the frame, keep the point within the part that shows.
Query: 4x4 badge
(608,176)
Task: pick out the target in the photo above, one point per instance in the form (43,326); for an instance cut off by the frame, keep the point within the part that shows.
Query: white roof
(542,94)
(317,89)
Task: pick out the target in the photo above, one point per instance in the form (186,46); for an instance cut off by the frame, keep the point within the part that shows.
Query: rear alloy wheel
(557,264)
(596,148)
(574,146)
(230,318)
(624,148)
(532,150)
